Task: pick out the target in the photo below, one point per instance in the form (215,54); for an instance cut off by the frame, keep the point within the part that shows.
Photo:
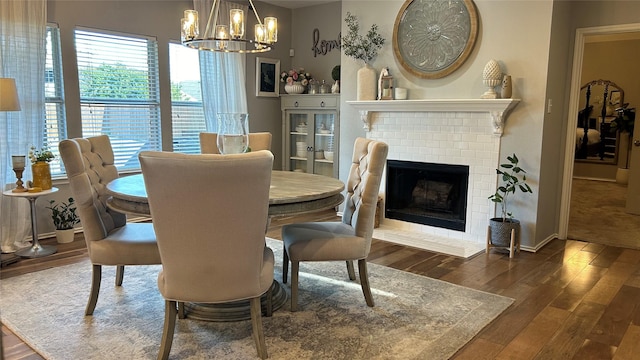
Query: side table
(36,250)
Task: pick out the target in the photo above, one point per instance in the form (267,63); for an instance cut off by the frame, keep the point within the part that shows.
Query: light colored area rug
(598,214)
(415,317)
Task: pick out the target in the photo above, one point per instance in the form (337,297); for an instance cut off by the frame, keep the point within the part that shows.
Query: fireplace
(427,193)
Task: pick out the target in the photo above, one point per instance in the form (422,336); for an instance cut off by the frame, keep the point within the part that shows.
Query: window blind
(187,114)
(118,77)
(55,116)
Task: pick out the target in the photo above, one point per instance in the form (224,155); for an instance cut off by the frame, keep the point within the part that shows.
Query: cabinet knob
(636,142)
(295,104)
(322,104)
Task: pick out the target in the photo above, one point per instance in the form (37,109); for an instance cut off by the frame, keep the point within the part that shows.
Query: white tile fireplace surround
(458,132)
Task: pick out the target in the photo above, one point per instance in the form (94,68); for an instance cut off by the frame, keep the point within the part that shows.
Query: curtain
(22,57)
(222,75)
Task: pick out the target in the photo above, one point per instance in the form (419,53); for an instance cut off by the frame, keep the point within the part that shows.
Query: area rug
(414,317)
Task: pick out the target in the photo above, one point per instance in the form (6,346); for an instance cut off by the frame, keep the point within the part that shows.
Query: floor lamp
(9,102)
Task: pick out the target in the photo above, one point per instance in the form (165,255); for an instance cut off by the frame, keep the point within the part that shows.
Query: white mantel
(498,108)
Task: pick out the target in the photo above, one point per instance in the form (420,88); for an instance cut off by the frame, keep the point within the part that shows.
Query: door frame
(572,121)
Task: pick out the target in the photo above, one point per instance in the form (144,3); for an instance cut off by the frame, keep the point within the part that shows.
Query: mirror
(595,140)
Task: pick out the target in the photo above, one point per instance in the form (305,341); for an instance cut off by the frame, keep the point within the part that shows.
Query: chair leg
(170,312)
(285,264)
(181,310)
(350,270)
(269,309)
(295,266)
(364,281)
(119,274)
(256,324)
(96,278)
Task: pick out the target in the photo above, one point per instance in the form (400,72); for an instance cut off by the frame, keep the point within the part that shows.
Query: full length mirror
(596,141)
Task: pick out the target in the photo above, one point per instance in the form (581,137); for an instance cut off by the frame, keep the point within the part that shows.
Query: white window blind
(55,118)
(118,76)
(187,113)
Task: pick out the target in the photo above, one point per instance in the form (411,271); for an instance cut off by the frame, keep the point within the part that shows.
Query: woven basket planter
(501,231)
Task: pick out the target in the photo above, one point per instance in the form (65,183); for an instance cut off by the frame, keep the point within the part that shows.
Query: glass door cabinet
(311,132)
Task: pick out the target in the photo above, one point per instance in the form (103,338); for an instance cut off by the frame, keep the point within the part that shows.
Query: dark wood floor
(573,300)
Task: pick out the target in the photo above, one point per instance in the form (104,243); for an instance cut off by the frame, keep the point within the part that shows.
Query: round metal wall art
(433,38)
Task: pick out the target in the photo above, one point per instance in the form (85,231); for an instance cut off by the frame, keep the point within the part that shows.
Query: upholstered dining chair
(89,163)
(210,222)
(349,239)
(257,141)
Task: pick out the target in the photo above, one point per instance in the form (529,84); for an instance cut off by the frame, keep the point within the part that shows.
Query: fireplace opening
(427,193)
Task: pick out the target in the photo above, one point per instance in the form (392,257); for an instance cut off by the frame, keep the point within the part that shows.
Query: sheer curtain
(22,57)
(222,74)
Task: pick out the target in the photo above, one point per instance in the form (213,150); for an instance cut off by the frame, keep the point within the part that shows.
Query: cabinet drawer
(309,102)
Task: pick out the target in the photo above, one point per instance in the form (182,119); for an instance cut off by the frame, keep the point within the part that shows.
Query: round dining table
(291,193)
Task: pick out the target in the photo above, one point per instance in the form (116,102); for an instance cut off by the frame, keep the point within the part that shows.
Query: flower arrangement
(296,75)
(64,216)
(360,47)
(43,154)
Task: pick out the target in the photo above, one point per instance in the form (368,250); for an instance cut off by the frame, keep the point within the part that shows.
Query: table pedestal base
(36,251)
(236,310)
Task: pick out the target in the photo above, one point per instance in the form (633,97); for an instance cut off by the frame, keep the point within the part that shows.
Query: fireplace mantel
(497,108)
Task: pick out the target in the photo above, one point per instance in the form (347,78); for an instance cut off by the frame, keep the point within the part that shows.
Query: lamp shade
(8,95)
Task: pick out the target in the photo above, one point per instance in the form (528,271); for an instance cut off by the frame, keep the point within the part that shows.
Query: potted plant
(365,48)
(40,169)
(513,178)
(335,75)
(64,218)
(623,124)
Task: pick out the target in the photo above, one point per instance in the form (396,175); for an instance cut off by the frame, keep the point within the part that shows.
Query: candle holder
(18,162)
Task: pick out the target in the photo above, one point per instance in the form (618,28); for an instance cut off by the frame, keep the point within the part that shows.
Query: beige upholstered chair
(347,240)
(210,213)
(257,141)
(110,239)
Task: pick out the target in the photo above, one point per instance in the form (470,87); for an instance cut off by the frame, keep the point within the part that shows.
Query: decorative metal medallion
(433,38)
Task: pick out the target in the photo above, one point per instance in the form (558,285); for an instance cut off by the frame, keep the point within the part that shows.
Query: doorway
(582,37)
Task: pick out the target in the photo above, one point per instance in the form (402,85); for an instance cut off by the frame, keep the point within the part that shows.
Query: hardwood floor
(573,300)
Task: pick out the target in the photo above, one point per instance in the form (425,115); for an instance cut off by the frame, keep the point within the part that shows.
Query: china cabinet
(311,125)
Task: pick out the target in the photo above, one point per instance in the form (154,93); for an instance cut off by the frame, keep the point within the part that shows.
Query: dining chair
(257,141)
(349,239)
(110,239)
(210,223)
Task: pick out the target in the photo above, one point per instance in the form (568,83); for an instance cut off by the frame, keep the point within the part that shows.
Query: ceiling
(294,4)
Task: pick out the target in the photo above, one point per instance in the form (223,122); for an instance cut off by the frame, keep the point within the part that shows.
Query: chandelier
(228,38)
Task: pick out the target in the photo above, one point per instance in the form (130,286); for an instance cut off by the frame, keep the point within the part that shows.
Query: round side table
(36,250)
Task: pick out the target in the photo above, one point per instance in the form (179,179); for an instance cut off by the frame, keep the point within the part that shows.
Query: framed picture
(267,75)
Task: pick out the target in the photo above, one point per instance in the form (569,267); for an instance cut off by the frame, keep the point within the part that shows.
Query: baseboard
(539,245)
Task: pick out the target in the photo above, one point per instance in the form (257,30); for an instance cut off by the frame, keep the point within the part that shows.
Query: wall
(505,35)
(326,18)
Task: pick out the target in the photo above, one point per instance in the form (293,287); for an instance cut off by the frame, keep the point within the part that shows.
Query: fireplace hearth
(427,193)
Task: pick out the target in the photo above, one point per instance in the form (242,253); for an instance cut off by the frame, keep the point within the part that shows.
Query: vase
(64,236)
(295,88)
(41,175)
(335,88)
(506,87)
(233,133)
(366,83)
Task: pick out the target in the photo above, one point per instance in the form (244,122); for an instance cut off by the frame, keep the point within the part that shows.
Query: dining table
(291,193)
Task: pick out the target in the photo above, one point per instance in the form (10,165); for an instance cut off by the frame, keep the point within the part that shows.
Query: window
(187,113)
(55,120)
(118,76)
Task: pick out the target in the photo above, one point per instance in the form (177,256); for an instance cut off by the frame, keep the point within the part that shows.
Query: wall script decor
(433,38)
(322,47)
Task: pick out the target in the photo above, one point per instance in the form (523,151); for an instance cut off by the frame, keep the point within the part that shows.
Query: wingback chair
(257,141)
(89,164)
(349,239)
(210,214)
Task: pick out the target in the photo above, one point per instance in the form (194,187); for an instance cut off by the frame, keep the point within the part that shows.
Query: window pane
(187,114)
(118,77)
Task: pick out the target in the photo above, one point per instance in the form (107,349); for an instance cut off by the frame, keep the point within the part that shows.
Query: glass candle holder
(18,163)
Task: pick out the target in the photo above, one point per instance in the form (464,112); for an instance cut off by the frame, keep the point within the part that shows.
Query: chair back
(363,185)
(257,141)
(89,163)
(210,216)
